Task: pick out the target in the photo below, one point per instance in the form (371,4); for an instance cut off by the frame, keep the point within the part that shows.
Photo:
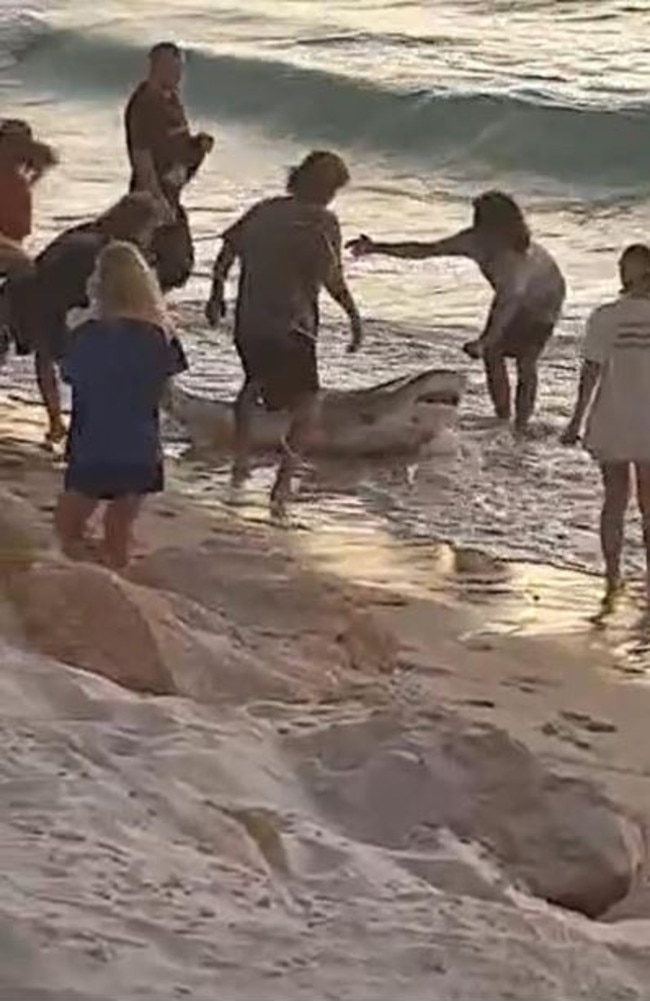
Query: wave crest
(476,133)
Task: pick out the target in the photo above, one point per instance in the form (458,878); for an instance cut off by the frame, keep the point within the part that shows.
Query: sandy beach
(311,764)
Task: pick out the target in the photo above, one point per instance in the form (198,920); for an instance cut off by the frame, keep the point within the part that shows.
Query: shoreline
(322,762)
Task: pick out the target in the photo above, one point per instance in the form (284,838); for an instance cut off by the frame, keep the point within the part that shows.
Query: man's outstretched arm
(459,245)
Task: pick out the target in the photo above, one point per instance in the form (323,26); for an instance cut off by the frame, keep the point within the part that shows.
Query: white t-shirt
(618,339)
(530,283)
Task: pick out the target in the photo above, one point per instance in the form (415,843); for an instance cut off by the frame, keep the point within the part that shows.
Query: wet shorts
(173,252)
(284,367)
(525,336)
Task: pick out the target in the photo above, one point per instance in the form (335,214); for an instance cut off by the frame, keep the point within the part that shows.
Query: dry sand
(274,764)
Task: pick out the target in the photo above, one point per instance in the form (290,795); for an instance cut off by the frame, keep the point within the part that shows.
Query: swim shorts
(284,367)
(525,336)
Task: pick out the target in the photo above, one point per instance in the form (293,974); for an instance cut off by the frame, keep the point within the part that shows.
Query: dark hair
(317,179)
(17,138)
(499,218)
(165,49)
(638,253)
(12,128)
(125,218)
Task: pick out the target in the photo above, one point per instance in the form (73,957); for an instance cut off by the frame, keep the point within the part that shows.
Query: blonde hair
(125,286)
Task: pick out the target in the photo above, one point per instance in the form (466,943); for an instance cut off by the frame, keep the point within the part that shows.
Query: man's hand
(215,309)
(206,143)
(571,434)
(361,246)
(474,349)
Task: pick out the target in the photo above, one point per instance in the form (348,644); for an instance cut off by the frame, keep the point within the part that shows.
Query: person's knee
(527,370)
(616,500)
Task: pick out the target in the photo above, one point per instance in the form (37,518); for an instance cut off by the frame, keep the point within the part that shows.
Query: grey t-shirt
(287,248)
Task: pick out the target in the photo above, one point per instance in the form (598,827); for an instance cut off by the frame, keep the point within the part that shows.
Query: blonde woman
(118,368)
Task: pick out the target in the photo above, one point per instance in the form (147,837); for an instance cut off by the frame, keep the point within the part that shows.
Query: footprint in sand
(588,723)
(530,684)
(564,733)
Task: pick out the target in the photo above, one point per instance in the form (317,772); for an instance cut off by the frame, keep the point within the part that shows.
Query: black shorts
(108,481)
(284,367)
(525,337)
(173,252)
(33,325)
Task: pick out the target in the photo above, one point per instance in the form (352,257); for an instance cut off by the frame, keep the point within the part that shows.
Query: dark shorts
(173,252)
(525,337)
(284,367)
(32,325)
(53,343)
(108,481)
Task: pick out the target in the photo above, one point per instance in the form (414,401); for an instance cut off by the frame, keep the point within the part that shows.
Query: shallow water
(430,102)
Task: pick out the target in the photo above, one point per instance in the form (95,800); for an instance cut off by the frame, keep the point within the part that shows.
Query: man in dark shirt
(164,157)
(37,303)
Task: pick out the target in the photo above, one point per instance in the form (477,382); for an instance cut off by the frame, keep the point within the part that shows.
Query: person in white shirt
(529,292)
(614,391)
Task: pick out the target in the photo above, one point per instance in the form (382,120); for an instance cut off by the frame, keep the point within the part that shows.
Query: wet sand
(521,644)
(292,709)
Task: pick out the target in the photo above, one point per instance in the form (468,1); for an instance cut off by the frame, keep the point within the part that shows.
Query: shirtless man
(529,292)
(289,248)
(164,157)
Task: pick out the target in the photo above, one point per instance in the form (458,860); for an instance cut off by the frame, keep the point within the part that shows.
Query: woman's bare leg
(71,518)
(526,393)
(498,382)
(616,481)
(119,516)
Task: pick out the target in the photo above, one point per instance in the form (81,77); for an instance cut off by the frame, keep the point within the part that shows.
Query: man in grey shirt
(289,248)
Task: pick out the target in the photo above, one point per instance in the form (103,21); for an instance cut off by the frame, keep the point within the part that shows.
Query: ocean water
(430,102)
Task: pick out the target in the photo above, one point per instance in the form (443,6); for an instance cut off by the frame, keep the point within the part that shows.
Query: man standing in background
(164,157)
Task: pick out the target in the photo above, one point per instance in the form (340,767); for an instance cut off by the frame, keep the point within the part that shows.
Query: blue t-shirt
(117,370)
